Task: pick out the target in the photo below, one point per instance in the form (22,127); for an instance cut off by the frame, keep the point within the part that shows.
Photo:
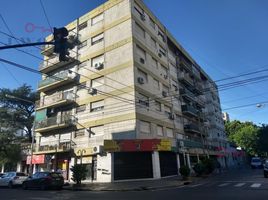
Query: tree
(79,173)
(263,140)
(18,112)
(243,134)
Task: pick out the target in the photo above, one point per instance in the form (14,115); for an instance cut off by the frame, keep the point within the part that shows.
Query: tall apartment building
(130,103)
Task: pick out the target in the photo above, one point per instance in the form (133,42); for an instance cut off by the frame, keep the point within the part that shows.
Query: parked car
(44,180)
(256,163)
(265,169)
(1,174)
(12,179)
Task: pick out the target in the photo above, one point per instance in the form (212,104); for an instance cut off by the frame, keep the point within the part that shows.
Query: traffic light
(61,42)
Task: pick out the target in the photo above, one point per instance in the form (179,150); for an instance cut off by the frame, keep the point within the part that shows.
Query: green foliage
(17,113)
(263,140)
(199,168)
(79,173)
(243,134)
(184,171)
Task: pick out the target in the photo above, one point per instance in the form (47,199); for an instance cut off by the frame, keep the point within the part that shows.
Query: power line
(247,105)
(11,74)
(45,13)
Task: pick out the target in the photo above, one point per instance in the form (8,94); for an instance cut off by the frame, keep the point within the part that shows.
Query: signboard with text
(37,159)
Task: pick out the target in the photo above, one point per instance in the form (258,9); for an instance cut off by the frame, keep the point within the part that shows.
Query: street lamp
(33,132)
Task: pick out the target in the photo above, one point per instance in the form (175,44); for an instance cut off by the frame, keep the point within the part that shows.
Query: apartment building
(130,102)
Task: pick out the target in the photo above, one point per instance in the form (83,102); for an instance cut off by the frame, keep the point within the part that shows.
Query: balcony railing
(54,63)
(191,128)
(187,93)
(185,64)
(185,78)
(56,99)
(189,110)
(60,146)
(47,50)
(61,121)
(60,78)
(188,143)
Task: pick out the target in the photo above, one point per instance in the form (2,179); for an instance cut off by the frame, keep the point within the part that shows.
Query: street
(238,184)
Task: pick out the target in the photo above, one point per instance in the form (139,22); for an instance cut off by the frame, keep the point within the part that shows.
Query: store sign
(84,151)
(37,159)
(137,145)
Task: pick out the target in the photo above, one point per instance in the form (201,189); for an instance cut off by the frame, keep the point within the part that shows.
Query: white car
(256,162)
(12,179)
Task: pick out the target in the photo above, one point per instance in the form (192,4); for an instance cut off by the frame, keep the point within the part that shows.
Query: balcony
(189,110)
(55,100)
(185,64)
(191,128)
(47,50)
(62,120)
(61,146)
(187,94)
(201,101)
(54,63)
(185,78)
(188,143)
(56,81)
(198,88)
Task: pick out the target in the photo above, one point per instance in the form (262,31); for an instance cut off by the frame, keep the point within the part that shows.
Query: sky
(225,37)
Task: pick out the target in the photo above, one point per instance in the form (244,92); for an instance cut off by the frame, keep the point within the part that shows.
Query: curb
(142,188)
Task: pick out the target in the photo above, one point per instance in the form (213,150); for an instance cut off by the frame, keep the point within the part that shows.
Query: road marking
(224,184)
(193,186)
(255,185)
(240,184)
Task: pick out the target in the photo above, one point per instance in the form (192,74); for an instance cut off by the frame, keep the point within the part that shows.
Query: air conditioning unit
(140,80)
(164,94)
(98,66)
(143,17)
(171,116)
(165,76)
(71,74)
(98,149)
(142,60)
(92,91)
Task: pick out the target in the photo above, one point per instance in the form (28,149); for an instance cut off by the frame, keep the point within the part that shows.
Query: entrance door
(168,163)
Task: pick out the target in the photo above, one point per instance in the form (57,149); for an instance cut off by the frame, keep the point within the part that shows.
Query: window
(96,106)
(152,24)
(97,39)
(154,63)
(145,127)
(140,30)
(82,26)
(81,108)
(97,19)
(161,34)
(165,88)
(143,75)
(79,133)
(82,45)
(160,130)
(157,106)
(156,84)
(95,83)
(141,53)
(143,100)
(173,69)
(139,11)
(162,51)
(98,62)
(170,133)
(153,43)
(164,71)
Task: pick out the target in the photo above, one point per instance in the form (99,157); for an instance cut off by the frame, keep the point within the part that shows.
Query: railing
(59,146)
(191,128)
(184,76)
(59,96)
(189,143)
(58,77)
(185,64)
(63,118)
(187,92)
(188,108)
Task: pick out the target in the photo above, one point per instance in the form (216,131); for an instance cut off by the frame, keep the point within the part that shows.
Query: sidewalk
(163,183)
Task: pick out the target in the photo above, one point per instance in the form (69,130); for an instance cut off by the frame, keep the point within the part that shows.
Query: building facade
(130,102)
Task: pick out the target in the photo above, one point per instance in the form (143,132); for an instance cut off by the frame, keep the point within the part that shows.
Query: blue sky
(225,37)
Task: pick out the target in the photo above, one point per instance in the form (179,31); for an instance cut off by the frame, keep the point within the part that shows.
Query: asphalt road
(241,184)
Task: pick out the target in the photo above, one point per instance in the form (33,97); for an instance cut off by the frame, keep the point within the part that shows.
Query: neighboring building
(225,117)
(130,103)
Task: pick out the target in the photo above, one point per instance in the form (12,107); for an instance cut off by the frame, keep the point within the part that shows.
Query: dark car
(44,180)
(1,174)
(265,169)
